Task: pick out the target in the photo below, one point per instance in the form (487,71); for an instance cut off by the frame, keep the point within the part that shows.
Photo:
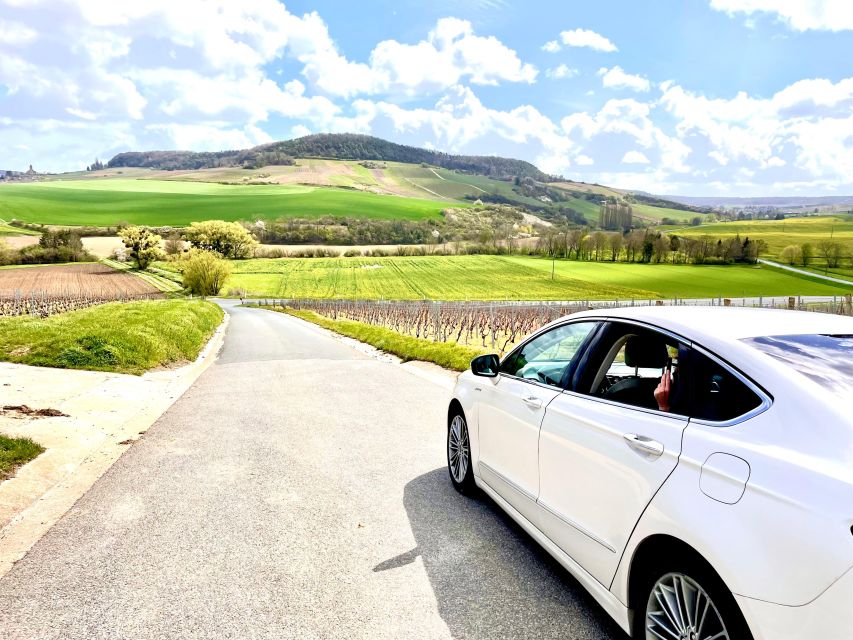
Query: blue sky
(698,97)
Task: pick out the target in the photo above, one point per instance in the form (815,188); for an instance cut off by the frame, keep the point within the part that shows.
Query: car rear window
(826,359)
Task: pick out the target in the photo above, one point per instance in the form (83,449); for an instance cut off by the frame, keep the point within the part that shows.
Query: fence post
(848,302)
(727,302)
(792,302)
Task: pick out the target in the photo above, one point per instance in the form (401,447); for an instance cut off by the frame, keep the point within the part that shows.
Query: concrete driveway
(297,490)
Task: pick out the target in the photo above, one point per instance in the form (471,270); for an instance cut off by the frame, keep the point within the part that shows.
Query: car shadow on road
(490,578)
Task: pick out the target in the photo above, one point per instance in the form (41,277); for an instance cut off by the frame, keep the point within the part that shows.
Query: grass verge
(123,337)
(15,452)
(444,354)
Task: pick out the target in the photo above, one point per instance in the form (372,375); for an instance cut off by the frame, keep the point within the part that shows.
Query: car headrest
(646,352)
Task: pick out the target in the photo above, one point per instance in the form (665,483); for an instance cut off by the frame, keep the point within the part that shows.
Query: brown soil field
(73,281)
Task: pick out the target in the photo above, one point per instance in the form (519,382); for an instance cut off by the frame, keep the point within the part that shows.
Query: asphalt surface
(297,490)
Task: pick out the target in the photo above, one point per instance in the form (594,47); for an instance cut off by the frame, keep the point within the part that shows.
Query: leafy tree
(142,244)
(229,239)
(806,253)
(205,272)
(695,221)
(792,254)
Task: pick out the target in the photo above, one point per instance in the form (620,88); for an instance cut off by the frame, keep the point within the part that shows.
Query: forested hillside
(330,145)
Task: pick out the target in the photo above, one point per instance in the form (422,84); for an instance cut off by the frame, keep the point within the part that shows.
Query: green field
(126,337)
(172,203)
(513,278)
(778,234)
(656,214)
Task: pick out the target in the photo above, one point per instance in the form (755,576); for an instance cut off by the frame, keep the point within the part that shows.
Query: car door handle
(644,444)
(533,402)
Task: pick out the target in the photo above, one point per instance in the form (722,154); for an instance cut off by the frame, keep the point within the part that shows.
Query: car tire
(459,454)
(659,614)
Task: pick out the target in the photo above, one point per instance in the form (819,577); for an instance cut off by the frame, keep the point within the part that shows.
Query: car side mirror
(487,366)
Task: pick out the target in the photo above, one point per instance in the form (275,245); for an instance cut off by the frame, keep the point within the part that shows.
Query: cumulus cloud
(561,71)
(801,15)
(617,78)
(635,157)
(15,33)
(552,46)
(588,39)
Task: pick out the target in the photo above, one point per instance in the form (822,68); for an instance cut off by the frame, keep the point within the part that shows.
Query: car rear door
(601,461)
(511,409)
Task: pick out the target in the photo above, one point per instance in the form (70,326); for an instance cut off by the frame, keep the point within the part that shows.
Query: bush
(143,246)
(204,272)
(229,239)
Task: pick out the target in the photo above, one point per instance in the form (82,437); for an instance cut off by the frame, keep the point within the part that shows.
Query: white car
(722,510)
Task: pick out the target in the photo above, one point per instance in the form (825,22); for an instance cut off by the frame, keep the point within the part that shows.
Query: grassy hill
(178,203)
(326,174)
(501,277)
(328,145)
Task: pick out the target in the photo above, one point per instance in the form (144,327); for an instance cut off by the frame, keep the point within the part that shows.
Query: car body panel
(585,462)
(773,514)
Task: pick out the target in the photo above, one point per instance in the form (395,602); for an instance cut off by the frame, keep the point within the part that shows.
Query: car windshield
(826,359)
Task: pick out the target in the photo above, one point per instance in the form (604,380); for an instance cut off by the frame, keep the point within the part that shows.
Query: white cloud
(632,120)
(15,33)
(584,160)
(801,15)
(210,137)
(635,157)
(299,130)
(587,38)
(552,46)
(561,71)
(617,78)
(809,122)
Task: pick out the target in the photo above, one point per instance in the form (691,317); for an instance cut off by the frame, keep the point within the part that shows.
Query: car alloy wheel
(458,449)
(680,609)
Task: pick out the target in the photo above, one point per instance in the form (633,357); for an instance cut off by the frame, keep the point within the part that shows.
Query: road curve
(297,490)
(803,272)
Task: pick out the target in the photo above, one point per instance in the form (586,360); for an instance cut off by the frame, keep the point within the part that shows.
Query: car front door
(511,409)
(606,447)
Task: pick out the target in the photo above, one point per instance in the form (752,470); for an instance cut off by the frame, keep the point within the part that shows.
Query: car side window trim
(598,322)
(765,397)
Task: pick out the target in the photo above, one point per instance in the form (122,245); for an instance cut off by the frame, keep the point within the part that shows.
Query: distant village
(10,175)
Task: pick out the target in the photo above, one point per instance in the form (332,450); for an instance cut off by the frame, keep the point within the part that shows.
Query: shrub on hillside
(229,239)
(204,272)
(143,245)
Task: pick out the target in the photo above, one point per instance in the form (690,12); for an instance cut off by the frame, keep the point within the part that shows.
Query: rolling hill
(338,146)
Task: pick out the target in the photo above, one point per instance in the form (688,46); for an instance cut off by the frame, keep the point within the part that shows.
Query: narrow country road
(803,272)
(297,490)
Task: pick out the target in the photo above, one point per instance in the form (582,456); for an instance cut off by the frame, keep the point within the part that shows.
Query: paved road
(297,490)
(803,272)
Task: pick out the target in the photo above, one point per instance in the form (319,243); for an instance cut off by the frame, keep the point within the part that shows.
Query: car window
(546,357)
(826,359)
(629,364)
(716,393)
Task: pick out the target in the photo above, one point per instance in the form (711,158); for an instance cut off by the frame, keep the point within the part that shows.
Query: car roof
(729,323)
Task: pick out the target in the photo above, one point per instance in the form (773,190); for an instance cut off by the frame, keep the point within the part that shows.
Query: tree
(143,245)
(806,253)
(616,243)
(229,239)
(695,221)
(792,254)
(204,272)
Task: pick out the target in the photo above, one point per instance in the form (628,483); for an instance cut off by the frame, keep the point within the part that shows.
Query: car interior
(633,367)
